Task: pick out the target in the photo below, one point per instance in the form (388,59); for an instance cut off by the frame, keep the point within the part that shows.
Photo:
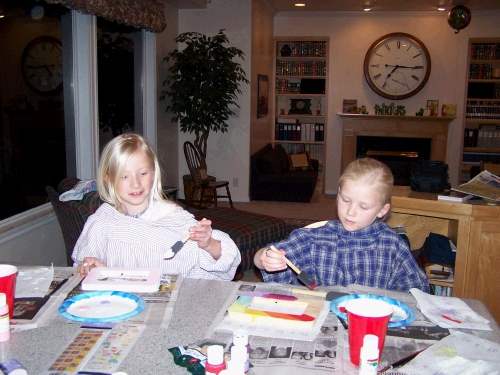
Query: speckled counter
(198,303)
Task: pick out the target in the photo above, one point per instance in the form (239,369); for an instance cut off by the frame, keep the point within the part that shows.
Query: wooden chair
(202,182)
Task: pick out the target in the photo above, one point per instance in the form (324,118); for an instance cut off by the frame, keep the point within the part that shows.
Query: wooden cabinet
(473,227)
(482,106)
(300,94)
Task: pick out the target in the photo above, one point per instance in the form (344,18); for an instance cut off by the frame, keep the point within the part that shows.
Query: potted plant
(203,83)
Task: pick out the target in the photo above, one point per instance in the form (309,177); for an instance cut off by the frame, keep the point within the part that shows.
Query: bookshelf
(301,85)
(482,106)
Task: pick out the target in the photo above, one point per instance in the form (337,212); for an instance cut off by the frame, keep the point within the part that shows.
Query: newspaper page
(37,312)
(328,352)
(485,185)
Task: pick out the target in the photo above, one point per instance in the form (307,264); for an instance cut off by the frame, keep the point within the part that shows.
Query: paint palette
(401,316)
(102,306)
(276,309)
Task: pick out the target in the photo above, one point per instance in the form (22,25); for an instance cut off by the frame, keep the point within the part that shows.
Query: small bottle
(369,354)
(215,360)
(240,338)
(236,367)
(4,319)
(239,357)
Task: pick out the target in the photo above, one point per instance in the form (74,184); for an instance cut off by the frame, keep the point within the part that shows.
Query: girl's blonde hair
(114,159)
(372,173)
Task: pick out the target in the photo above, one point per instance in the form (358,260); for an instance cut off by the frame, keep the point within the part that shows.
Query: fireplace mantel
(354,125)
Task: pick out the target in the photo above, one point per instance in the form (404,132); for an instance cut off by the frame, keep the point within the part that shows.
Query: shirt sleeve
(406,272)
(90,242)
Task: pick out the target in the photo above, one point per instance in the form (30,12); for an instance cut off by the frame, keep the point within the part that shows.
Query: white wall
(350,37)
(227,153)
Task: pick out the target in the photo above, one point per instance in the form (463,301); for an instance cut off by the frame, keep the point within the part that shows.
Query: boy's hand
(202,234)
(272,261)
(87,264)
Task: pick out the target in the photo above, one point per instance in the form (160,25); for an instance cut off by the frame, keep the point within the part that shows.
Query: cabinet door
(483,281)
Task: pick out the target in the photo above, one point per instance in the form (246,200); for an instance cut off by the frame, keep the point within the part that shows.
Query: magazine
(485,185)
(454,196)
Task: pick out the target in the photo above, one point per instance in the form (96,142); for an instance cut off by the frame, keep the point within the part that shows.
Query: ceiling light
(441,8)
(366,8)
(300,5)
(2,14)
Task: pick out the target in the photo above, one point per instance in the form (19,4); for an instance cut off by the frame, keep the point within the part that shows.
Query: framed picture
(433,106)
(448,110)
(262,95)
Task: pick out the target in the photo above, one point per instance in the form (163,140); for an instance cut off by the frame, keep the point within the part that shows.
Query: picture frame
(433,106)
(448,110)
(262,95)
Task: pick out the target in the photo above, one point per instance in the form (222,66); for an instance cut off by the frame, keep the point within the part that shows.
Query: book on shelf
(454,196)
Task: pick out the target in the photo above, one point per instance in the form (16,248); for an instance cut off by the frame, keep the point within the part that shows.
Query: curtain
(142,14)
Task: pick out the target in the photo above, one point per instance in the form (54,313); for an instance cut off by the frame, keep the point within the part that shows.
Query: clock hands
(402,66)
(41,66)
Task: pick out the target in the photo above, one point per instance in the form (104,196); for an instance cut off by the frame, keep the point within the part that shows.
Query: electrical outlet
(235,182)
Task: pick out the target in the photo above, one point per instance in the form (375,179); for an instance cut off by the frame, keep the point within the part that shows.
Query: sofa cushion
(282,157)
(269,163)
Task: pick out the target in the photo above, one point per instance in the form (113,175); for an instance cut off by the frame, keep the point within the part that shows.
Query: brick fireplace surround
(431,127)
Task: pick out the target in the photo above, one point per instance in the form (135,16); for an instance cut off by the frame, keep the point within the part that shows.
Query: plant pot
(189,186)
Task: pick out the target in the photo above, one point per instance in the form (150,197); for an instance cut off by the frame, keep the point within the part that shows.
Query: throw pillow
(269,163)
(282,156)
(300,161)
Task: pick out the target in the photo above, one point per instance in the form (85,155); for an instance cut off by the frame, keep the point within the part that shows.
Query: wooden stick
(290,264)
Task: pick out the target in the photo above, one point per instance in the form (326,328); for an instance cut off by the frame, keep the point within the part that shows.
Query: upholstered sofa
(249,231)
(273,179)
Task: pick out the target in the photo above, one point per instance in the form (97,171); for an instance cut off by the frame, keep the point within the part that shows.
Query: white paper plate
(102,306)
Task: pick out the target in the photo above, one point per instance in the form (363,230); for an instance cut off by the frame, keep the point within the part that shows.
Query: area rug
(292,224)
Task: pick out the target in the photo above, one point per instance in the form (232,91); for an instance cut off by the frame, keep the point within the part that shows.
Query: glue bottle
(239,358)
(240,338)
(215,360)
(369,354)
(4,319)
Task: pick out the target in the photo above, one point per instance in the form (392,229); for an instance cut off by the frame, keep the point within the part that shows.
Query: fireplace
(395,140)
(397,153)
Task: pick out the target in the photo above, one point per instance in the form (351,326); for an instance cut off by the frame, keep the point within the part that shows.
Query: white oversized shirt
(123,241)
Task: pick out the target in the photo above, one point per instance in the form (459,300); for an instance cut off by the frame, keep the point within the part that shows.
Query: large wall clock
(397,66)
(41,65)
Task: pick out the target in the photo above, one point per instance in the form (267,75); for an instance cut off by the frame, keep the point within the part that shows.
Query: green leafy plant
(203,83)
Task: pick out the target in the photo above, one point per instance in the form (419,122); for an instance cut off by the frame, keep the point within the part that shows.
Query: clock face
(42,65)
(397,66)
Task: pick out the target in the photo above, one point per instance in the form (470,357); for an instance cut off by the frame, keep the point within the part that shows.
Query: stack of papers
(449,312)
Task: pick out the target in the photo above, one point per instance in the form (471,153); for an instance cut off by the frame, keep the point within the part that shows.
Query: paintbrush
(177,246)
(302,276)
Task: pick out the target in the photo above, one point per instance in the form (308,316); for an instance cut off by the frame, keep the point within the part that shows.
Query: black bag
(429,176)
(437,249)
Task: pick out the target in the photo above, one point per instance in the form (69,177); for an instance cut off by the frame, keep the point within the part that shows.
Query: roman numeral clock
(397,66)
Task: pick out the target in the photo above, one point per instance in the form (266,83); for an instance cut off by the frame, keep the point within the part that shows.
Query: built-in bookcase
(482,106)
(301,83)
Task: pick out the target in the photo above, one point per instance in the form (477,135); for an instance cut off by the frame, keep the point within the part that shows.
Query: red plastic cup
(366,316)
(8,275)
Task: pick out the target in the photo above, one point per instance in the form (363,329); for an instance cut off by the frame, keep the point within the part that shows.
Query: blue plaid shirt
(375,256)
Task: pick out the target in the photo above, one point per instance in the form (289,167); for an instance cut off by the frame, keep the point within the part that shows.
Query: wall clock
(41,65)
(397,66)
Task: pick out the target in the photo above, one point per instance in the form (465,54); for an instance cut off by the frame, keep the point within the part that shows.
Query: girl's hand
(202,234)
(87,264)
(271,261)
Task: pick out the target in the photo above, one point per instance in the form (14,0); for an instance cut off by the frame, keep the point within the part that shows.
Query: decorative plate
(401,316)
(101,306)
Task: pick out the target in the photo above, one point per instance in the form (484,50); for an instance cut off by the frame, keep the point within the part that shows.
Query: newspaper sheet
(485,185)
(38,312)
(328,353)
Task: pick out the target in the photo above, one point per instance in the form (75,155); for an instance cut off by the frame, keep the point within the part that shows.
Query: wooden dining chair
(203,184)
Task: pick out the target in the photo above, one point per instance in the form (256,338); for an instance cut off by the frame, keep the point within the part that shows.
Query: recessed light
(300,5)
(441,8)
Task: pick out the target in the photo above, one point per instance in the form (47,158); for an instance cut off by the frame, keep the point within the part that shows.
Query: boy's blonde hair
(113,161)
(373,173)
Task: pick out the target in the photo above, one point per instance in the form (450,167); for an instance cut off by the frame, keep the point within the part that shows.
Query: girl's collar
(139,214)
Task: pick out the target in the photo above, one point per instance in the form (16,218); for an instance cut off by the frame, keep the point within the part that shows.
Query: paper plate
(102,306)
(402,315)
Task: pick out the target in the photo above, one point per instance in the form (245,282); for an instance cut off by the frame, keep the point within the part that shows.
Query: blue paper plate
(101,306)
(402,315)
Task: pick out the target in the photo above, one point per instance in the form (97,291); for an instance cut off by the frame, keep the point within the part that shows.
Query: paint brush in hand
(177,246)
(302,276)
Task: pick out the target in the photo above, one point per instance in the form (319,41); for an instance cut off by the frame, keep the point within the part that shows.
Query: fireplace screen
(397,153)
